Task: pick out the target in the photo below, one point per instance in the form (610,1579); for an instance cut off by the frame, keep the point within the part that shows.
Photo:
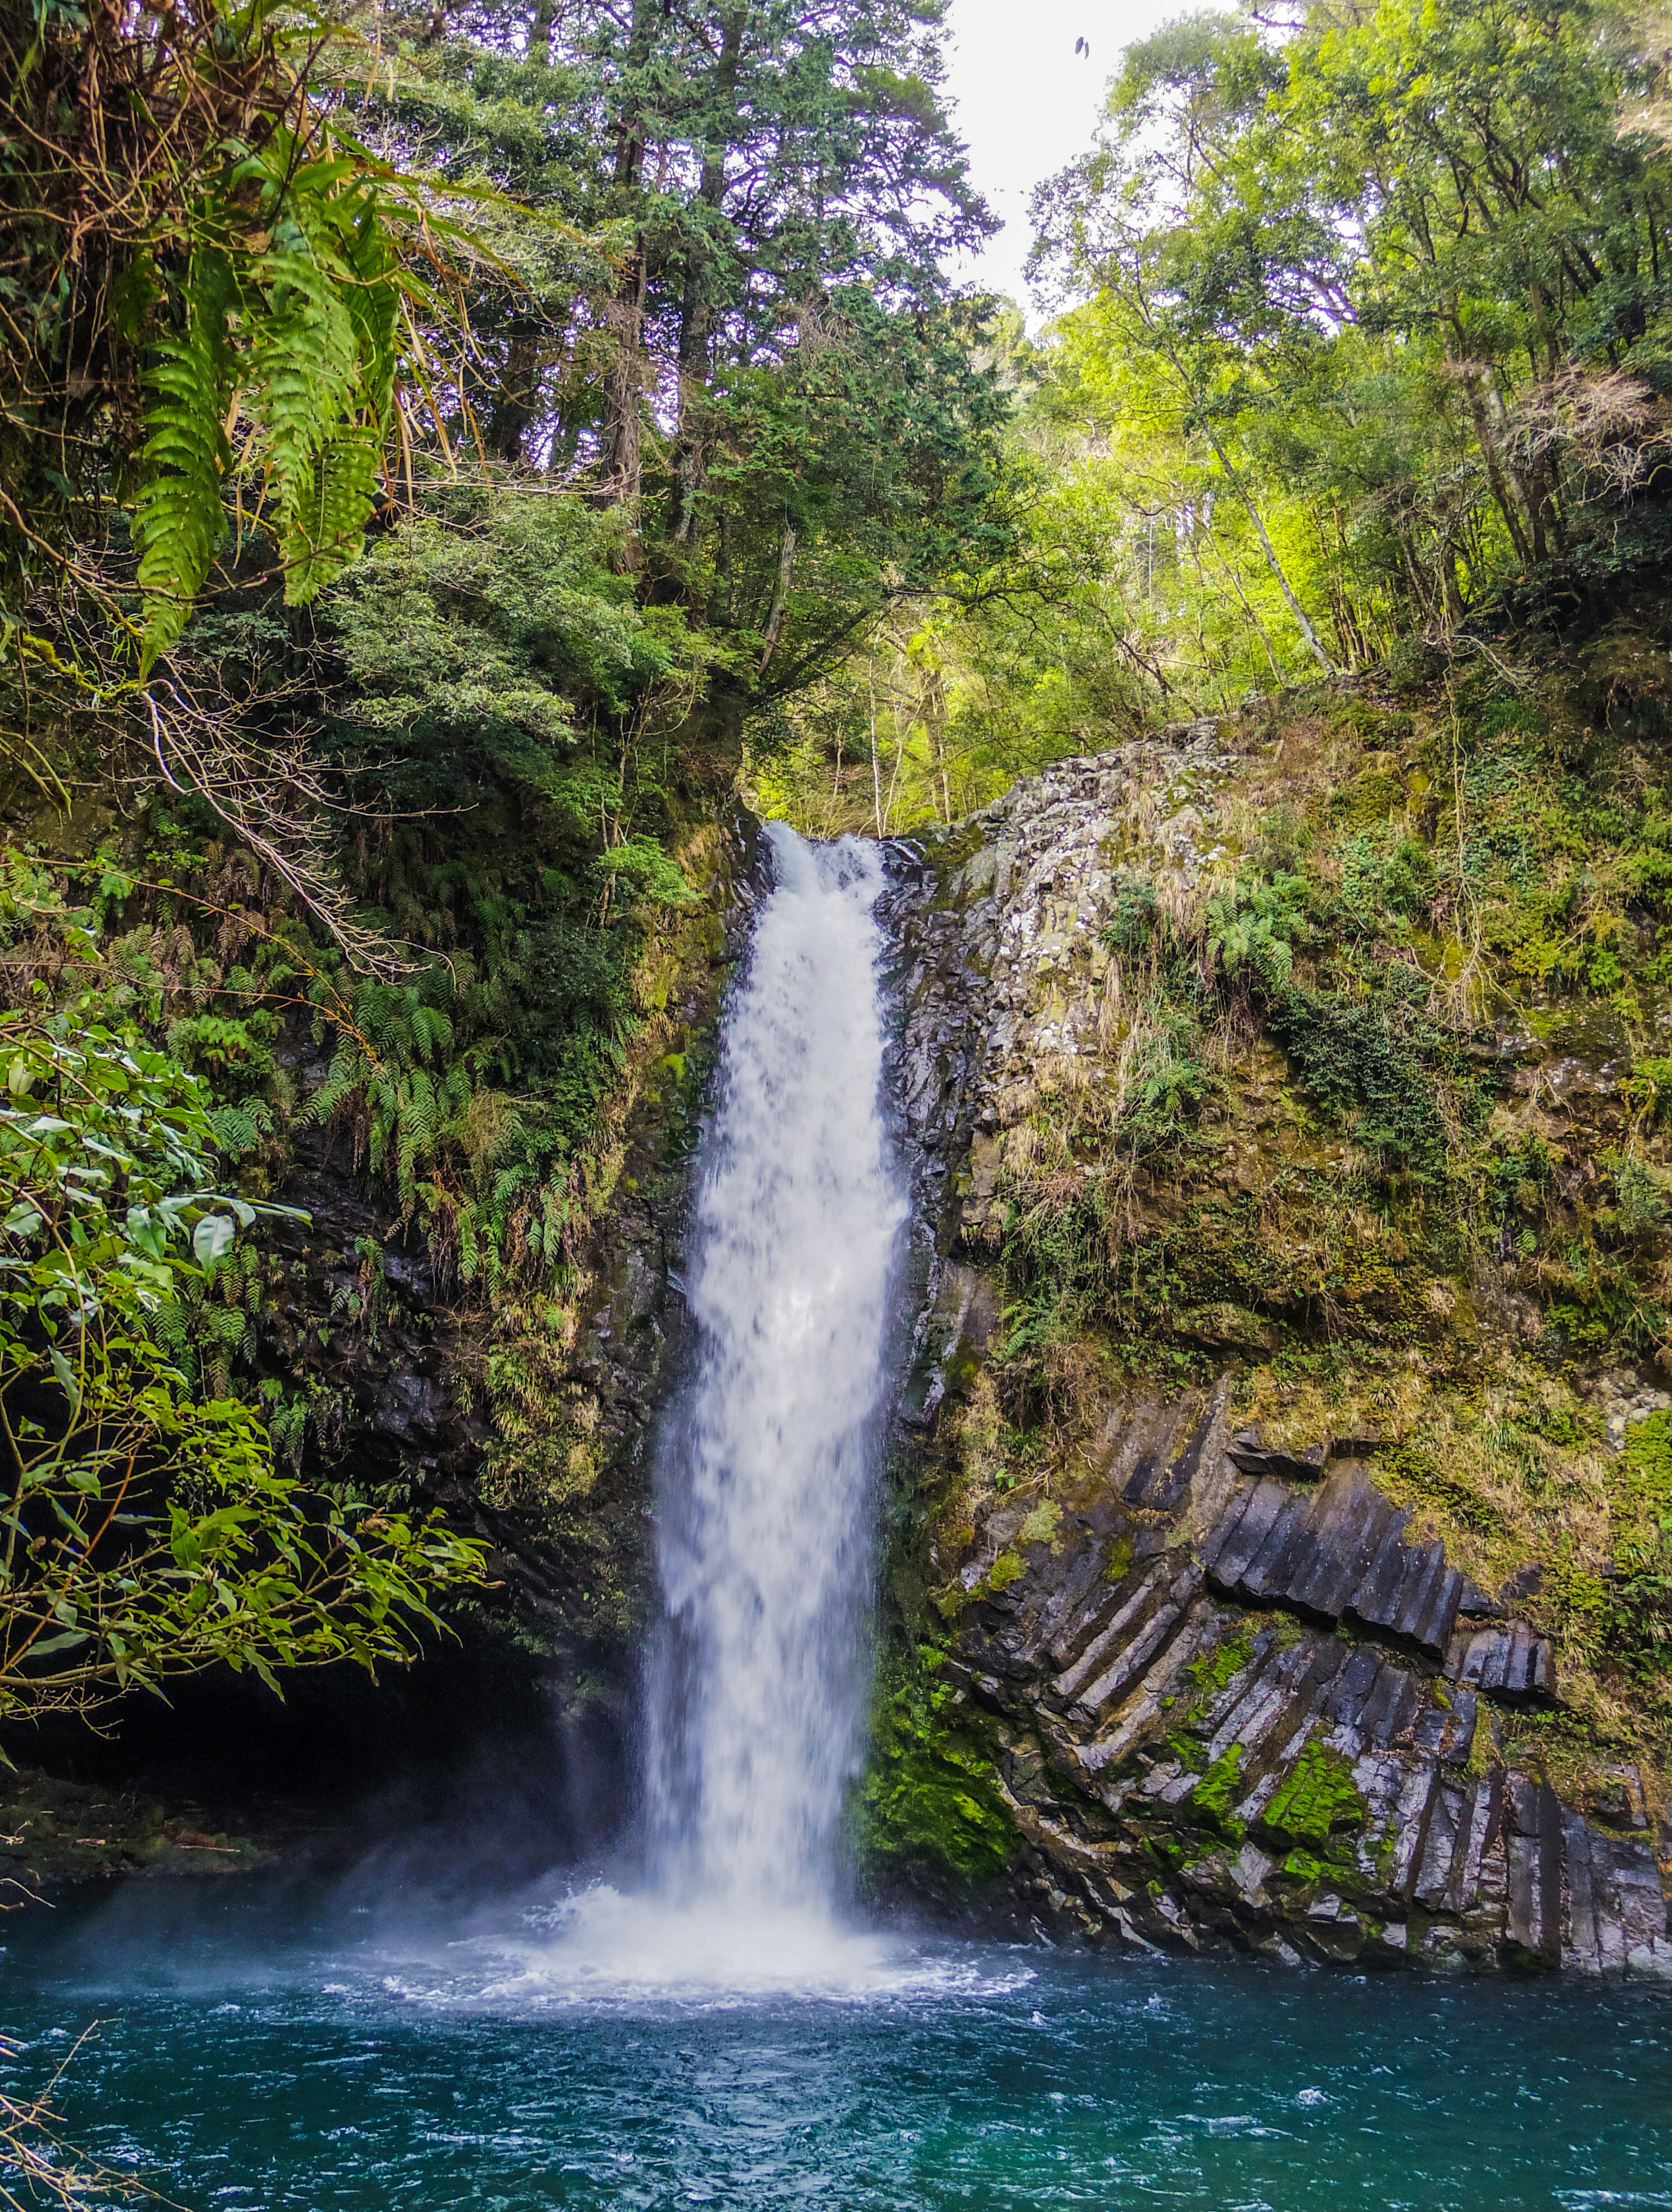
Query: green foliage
(1374,1061)
(178,517)
(1134,915)
(1321,267)
(1365,335)
(1255,924)
(1422,1477)
(1636,1612)
(302,326)
(146,1532)
(497,623)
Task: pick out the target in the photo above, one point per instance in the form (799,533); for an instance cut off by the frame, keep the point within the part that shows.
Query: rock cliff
(1200,1627)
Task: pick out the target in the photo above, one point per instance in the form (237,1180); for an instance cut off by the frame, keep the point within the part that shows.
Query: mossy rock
(1317,1799)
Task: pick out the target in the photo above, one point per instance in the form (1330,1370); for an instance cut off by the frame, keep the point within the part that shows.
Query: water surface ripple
(263,2051)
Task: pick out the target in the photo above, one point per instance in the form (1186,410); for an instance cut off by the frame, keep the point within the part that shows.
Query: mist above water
(767,1462)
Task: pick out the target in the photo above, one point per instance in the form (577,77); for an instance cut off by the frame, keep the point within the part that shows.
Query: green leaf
(67,1379)
(66,1642)
(212,1238)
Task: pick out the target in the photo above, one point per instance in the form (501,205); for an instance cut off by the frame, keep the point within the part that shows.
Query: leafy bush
(146,1531)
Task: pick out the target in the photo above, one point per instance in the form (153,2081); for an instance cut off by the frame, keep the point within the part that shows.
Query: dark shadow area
(468,1765)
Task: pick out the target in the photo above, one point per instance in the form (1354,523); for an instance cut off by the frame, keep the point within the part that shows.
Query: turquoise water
(262,2049)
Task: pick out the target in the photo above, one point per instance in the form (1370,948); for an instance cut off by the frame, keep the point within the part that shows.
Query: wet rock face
(358,1315)
(1002,957)
(1232,1712)
(397,1360)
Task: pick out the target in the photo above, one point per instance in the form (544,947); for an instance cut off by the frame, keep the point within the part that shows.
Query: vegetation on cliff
(490,431)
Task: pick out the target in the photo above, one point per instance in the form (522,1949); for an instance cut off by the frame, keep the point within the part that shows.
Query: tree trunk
(1489,454)
(621,480)
(621,477)
(515,403)
(774,619)
(1234,479)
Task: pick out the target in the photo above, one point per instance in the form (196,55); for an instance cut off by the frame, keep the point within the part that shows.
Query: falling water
(768,1463)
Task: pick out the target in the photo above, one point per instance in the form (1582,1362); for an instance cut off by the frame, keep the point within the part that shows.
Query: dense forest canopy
(1361,339)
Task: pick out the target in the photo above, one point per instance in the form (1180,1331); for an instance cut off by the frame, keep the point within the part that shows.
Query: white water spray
(767,1466)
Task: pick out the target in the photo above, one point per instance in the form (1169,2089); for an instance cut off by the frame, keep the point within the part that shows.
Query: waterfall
(767,1462)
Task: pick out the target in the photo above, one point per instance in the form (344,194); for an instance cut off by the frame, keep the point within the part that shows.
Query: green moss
(1316,1800)
(1214,1795)
(1007,1568)
(1649,1463)
(949,853)
(930,1798)
(1633,1608)
(1188,1752)
(1413,1476)
(1040,1525)
(1217,1668)
(1120,1560)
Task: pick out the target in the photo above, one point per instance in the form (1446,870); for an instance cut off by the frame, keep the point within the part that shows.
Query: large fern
(324,530)
(179,516)
(304,380)
(325,363)
(317,299)
(322,527)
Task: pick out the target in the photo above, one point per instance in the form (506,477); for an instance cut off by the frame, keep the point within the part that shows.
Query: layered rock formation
(1234,1692)
(1249,1710)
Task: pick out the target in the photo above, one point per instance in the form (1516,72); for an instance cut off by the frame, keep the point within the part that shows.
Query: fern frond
(304,371)
(179,516)
(347,1073)
(374,301)
(326,524)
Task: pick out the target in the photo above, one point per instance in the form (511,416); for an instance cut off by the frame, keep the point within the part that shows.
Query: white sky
(1027,103)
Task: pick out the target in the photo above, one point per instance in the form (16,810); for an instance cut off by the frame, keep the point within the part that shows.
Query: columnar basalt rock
(1193,1761)
(1003,959)
(1236,1693)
